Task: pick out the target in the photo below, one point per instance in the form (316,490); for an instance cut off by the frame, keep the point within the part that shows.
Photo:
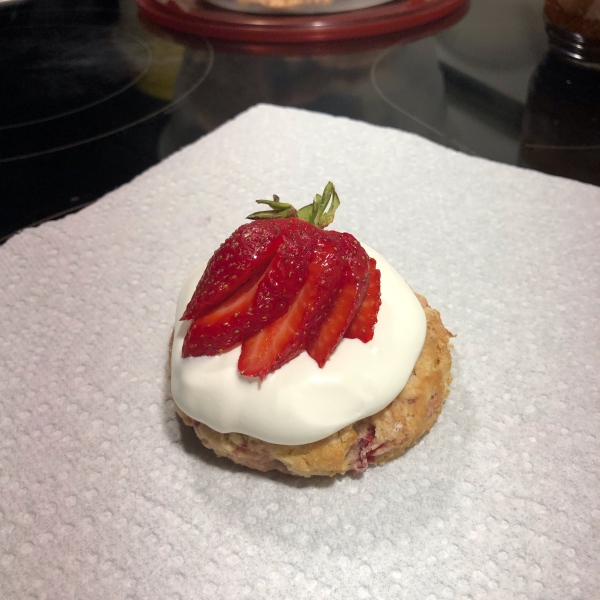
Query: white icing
(301,403)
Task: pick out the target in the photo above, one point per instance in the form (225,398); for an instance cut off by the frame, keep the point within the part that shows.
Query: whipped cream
(301,403)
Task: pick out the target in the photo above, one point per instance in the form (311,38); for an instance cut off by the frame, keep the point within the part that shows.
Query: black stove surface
(91,97)
(79,116)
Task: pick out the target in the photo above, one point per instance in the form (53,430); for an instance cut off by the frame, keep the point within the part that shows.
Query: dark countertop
(92,96)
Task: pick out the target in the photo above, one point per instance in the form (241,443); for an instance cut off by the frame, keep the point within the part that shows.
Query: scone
(321,360)
(373,440)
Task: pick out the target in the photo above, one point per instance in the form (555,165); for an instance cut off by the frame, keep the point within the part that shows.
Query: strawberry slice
(247,251)
(363,325)
(260,301)
(347,304)
(284,339)
(281,285)
(219,330)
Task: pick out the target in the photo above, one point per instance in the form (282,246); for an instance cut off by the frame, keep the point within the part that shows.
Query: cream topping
(301,403)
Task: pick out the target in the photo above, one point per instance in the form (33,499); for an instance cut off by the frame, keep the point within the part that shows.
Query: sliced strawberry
(363,325)
(284,339)
(218,330)
(347,304)
(280,285)
(247,251)
(287,271)
(264,298)
(326,272)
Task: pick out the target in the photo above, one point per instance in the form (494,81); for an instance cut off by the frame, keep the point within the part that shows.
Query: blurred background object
(280,26)
(561,125)
(573,28)
(297,7)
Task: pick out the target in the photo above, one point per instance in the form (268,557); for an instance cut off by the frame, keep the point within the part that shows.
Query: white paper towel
(104,494)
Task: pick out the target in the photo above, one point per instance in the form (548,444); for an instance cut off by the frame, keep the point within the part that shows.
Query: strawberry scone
(298,349)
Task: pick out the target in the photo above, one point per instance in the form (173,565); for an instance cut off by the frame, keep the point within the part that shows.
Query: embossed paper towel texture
(103,494)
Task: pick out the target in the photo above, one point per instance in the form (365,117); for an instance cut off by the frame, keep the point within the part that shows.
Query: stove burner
(73,84)
(87,96)
(62,70)
(416,92)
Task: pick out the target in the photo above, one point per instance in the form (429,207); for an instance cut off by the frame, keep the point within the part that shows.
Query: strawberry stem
(320,212)
(280,210)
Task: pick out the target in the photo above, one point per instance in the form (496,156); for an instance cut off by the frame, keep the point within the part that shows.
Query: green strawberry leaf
(320,212)
(280,210)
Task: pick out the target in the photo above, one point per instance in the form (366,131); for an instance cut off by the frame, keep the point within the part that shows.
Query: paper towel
(104,494)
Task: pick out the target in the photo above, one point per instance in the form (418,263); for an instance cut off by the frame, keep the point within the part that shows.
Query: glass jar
(561,123)
(573,28)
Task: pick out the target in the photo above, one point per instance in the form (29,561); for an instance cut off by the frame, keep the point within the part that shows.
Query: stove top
(87,102)
(93,95)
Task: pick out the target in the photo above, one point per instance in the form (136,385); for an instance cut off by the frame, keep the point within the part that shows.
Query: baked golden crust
(374,440)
